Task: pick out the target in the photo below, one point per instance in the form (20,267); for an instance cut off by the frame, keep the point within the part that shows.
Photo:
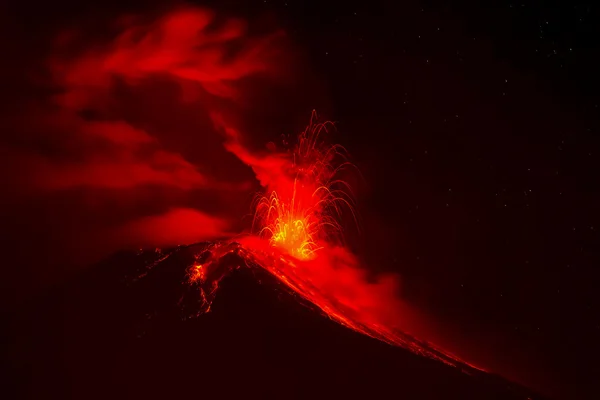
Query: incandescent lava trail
(297,237)
(117,108)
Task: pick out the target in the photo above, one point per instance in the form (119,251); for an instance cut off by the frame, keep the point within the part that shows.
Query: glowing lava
(297,238)
(296,232)
(302,213)
(288,228)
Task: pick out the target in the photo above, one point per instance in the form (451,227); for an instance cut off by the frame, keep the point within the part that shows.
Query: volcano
(134,327)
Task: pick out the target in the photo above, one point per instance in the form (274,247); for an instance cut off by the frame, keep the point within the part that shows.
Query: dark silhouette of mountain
(124,330)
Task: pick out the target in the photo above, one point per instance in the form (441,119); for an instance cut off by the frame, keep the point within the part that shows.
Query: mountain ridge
(130,328)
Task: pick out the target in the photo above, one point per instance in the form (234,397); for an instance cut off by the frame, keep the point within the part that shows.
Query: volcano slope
(131,327)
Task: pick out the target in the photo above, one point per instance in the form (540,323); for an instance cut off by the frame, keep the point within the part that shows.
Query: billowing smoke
(151,136)
(153,133)
(116,145)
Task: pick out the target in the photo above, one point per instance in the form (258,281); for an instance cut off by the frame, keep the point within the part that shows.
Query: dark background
(475,126)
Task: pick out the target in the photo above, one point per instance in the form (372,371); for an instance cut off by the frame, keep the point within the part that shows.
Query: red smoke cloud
(141,138)
(184,45)
(117,156)
(115,145)
(112,140)
(204,56)
(175,227)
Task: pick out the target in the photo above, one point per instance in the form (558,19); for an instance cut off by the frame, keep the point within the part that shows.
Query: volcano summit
(135,327)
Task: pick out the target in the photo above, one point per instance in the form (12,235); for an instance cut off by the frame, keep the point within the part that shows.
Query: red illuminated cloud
(187,46)
(269,168)
(116,148)
(114,155)
(184,44)
(176,226)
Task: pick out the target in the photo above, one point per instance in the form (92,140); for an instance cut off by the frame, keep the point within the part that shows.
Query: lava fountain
(302,215)
(297,228)
(297,237)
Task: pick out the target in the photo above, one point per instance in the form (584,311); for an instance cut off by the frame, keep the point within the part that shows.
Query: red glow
(182,44)
(297,238)
(176,226)
(301,212)
(186,46)
(133,177)
(337,284)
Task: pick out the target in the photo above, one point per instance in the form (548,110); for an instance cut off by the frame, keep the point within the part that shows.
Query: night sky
(474,125)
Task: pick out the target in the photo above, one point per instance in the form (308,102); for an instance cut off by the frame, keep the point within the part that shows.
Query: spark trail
(297,237)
